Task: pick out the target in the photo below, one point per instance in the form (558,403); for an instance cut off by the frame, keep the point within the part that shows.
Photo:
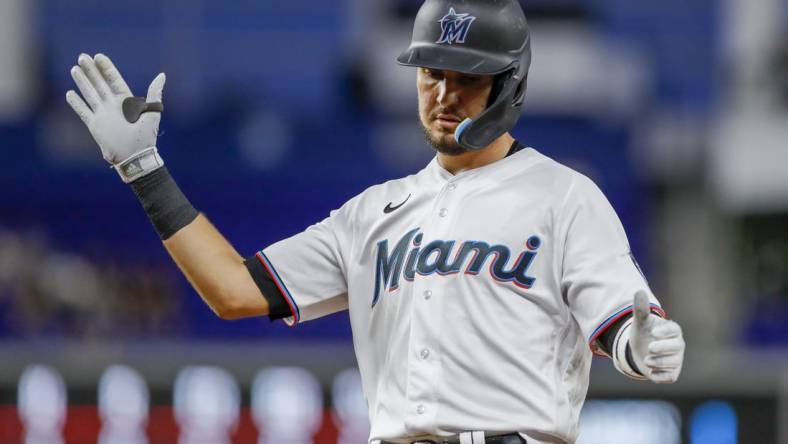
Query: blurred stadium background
(278,112)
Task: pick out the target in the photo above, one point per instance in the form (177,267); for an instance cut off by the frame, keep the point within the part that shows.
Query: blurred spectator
(45,291)
(781,71)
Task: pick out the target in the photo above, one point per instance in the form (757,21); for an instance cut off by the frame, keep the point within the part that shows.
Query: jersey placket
(424,360)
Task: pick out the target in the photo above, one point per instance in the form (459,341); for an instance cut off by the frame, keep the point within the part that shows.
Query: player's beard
(444,143)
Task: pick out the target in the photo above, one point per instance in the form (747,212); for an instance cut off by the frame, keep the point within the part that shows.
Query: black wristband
(631,361)
(167,207)
(607,339)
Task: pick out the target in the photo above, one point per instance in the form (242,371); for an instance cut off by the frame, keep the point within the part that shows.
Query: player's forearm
(215,270)
(207,260)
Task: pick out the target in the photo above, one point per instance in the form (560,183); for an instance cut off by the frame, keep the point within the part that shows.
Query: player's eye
(433,73)
(470,80)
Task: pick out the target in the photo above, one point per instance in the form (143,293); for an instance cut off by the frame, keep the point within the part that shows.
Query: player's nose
(448,93)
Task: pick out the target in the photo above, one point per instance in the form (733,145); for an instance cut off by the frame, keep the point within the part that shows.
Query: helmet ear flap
(497,85)
(475,134)
(519,93)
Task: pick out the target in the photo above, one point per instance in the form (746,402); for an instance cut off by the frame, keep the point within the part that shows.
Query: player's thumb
(156,88)
(641,307)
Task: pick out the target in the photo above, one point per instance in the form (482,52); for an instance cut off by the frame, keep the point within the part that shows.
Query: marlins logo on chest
(409,258)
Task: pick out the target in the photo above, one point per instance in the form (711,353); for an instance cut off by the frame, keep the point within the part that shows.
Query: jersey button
(427,294)
(420,409)
(425,353)
(452,187)
(443,212)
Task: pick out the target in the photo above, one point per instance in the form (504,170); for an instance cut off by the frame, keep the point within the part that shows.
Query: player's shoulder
(539,169)
(562,181)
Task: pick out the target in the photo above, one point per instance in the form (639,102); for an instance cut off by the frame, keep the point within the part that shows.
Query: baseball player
(478,288)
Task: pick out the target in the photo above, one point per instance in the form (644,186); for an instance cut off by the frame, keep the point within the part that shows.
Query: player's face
(446,98)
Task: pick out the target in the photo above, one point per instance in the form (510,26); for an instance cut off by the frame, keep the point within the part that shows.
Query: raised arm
(125,128)
(216,270)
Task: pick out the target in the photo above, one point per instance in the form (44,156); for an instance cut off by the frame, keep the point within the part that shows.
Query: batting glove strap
(139,164)
(622,355)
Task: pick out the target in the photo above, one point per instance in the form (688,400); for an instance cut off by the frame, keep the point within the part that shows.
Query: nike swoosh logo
(389,208)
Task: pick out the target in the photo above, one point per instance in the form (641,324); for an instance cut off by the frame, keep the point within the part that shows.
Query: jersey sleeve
(599,274)
(308,269)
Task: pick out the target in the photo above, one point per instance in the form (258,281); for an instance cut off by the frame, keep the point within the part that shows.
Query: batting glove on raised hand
(657,344)
(125,127)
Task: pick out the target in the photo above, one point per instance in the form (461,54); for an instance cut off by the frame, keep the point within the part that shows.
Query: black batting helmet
(476,37)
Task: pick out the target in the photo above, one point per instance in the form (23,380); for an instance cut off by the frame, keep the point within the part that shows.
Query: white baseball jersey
(475,299)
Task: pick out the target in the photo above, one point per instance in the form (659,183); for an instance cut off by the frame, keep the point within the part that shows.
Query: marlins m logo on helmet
(455,27)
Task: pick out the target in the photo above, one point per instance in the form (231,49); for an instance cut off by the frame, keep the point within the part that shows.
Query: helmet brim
(454,58)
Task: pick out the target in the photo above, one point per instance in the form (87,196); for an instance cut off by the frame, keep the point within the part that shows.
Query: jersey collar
(517,151)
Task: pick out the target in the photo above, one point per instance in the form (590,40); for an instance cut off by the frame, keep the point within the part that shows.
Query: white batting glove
(125,127)
(657,344)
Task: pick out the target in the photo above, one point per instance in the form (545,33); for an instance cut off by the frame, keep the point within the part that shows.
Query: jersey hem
(296,318)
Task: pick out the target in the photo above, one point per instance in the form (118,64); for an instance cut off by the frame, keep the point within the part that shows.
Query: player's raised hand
(657,343)
(125,127)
